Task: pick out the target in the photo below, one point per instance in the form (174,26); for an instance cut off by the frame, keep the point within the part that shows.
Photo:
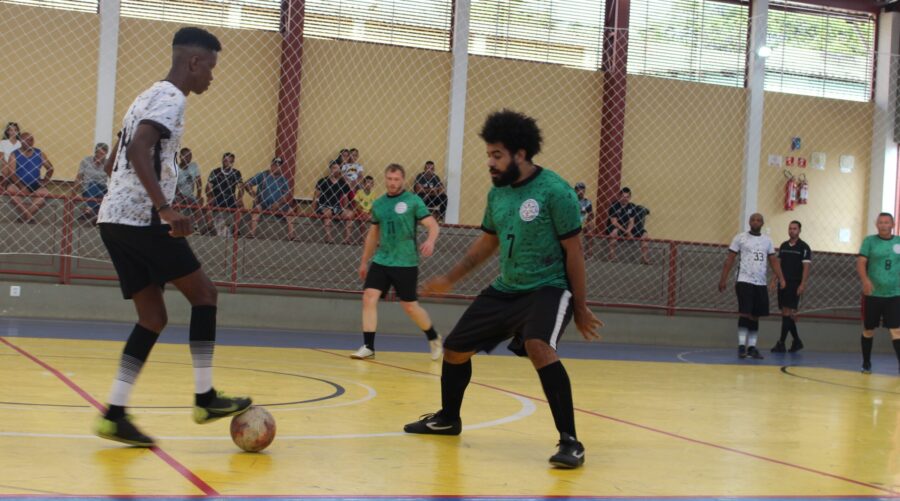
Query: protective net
(677,143)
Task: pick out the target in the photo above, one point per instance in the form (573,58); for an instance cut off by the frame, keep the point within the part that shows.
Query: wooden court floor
(652,429)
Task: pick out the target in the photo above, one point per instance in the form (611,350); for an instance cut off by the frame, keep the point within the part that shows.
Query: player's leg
(15,196)
(796,342)
(872,314)
(760,308)
(744,294)
(892,322)
(38,199)
(371,294)
(405,280)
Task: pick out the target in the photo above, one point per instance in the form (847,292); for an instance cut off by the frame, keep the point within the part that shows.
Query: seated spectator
(430,189)
(224,190)
(90,182)
(587,217)
(27,188)
(8,144)
(329,199)
(627,222)
(362,201)
(271,192)
(189,185)
(352,169)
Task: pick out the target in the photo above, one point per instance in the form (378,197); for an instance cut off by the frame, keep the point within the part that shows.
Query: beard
(508,177)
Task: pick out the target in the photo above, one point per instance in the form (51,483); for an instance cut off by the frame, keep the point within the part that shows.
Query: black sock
(202,341)
(558,391)
(430,333)
(115,412)
(369,340)
(785,327)
(454,379)
(204,399)
(867,350)
(134,355)
(896,343)
(793,329)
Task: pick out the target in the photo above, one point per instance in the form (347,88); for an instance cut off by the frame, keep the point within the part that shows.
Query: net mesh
(678,144)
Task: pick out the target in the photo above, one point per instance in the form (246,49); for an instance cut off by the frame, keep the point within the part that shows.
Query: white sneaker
(362,353)
(437,348)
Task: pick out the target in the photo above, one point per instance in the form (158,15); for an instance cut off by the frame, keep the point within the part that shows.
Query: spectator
(352,169)
(271,192)
(343,157)
(430,189)
(224,190)
(189,186)
(587,217)
(362,201)
(329,200)
(8,144)
(27,188)
(90,182)
(626,221)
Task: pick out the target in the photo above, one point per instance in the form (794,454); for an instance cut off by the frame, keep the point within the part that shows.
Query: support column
(104,119)
(883,178)
(756,79)
(457,119)
(287,125)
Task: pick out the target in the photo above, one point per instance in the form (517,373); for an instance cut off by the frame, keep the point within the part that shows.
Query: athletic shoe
(122,430)
(221,406)
(742,351)
(437,348)
(796,346)
(753,353)
(779,347)
(434,424)
(570,454)
(363,353)
(866,369)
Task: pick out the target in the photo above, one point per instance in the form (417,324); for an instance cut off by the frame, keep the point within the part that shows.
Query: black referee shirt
(792,258)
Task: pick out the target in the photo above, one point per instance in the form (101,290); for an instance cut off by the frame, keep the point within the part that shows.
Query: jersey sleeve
(807,254)
(420,210)
(255,180)
(770,249)
(487,222)
(565,212)
(866,248)
(164,111)
(735,244)
(374,213)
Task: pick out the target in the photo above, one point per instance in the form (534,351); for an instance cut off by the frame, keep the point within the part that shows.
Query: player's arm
(47,165)
(198,186)
(138,155)
(615,222)
(588,324)
(315,201)
(802,286)
(775,263)
(76,187)
(372,239)
(480,251)
(862,263)
(726,269)
(431,224)
(111,160)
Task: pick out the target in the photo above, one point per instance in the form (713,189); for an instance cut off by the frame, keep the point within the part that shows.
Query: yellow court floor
(651,429)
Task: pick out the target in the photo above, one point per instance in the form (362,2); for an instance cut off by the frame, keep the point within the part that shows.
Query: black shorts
(788,297)
(496,316)
(881,311)
(752,299)
(146,255)
(405,280)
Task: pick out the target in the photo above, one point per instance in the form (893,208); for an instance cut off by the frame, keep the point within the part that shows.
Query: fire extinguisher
(790,191)
(802,190)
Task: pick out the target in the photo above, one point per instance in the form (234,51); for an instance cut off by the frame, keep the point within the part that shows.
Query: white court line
(683,355)
(528,408)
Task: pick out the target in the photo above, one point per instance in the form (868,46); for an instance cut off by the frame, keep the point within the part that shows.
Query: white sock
(751,338)
(121,393)
(742,336)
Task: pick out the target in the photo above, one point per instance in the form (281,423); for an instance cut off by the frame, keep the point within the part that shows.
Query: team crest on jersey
(896,248)
(529,210)
(401,208)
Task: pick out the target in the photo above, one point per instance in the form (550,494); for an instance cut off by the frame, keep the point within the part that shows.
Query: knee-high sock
(867,350)
(897,349)
(793,329)
(558,391)
(203,342)
(454,380)
(785,328)
(137,350)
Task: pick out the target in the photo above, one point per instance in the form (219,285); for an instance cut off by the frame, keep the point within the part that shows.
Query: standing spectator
(8,144)
(189,184)
(587,217)
(627,221)
(429,187)
(271,192)
(343,157)
(755,250)
(224,190)
(330,198)
(27,188)
(353,170)
(795,257)
(880,285)
(90,182)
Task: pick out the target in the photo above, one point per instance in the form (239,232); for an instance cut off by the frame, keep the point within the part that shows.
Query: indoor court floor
(657,422)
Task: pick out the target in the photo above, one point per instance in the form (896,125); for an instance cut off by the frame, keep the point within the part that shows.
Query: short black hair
(368,178)
(345,149)
(196,37)
(799,226)
(184,149)
(429,162)
(353,149)
(626,190)
(888,214)
(515,131)
(228,154)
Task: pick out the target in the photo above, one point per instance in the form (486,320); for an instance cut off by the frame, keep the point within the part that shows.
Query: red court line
(655,430)
(180,468)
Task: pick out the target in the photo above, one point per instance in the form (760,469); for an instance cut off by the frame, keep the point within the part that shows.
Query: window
(76,5)
(410,23)
(820,52)
(695,40)
(567,32)
(247,14)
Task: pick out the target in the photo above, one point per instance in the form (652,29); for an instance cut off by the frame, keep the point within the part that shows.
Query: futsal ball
(253,430)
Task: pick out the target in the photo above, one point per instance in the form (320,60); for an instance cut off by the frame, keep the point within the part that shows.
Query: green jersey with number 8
(883,265)
(530,218)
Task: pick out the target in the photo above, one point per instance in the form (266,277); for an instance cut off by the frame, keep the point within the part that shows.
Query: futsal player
(392,240)
(877,267)
(795,258)
(145,237)
(533,218)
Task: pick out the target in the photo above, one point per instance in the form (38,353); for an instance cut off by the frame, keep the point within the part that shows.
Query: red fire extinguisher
(790,191)
(802,190)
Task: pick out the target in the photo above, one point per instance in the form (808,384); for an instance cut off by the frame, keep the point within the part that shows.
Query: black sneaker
(221,406)
(796,346)
(866,368)
(122,430)
(753,353)
(779,347)
(570,454)
(434,424)
(742,351)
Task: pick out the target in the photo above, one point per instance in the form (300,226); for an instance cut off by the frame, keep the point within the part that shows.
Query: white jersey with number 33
(754,251)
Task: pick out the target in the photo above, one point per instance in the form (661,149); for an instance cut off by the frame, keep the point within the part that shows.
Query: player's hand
(180,224)
(438,285)
(868,287)
(800,289)
(363,271)
(782,284)
(427,248)
(587,323)
(722,284)
(773,284)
